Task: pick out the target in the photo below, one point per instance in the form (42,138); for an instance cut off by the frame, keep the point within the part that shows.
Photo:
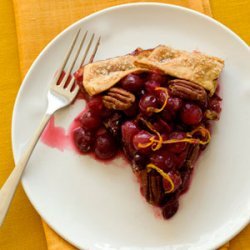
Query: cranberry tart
(156,106)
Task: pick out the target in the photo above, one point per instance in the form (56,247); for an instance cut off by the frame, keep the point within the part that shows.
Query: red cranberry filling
(96,106)
(174,103)
(176,178)
(191,114)
(143,137)
(146,101)
(90,121)
(105,146)
(163,159)
(161,134)
(159,78)
(151,85)
(177,147)
(83,140)
(129,130)
(133,83)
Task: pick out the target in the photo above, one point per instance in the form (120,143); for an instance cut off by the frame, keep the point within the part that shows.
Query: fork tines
(78,48)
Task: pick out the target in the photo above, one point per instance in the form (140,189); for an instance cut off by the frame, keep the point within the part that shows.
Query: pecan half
(192,155)
(188,90)
(144,183)
(118,99)
(152,187)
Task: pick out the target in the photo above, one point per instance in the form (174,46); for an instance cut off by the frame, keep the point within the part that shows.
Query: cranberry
(161,96)
(159,78)
(176,179)
(164,136)
(106,112)
(179,146)
(132,83)
(214,104)
(174,103)
(129,129)
(143,137)
(139,162)
(151,85)
(147,101)
(180,159)
(95,105)
(132,111)
(102,130)
(191,114)
(90,121)
(83,140)
(170,208)
(129,151)
(168,115)
(162,127)
(163,159)
(105,147)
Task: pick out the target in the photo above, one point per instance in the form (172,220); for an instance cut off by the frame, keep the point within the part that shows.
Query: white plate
(98,206)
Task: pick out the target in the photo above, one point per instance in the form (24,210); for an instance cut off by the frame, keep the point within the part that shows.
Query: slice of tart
(156,106)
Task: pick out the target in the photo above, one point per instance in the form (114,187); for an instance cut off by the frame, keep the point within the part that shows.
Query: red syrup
(157,212)
(62,139)
(58,137)
(55,136)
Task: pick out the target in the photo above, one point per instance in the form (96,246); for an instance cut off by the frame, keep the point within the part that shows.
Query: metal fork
(61,94)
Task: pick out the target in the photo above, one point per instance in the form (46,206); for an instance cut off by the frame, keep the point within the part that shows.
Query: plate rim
(218,243)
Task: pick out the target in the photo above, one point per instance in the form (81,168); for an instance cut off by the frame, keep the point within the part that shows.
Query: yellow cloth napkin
(16,231)
(38,21)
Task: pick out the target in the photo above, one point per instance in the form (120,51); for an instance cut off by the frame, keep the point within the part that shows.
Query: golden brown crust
(194,66)
(102,75)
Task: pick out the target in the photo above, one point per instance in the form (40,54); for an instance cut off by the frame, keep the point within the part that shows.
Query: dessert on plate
(155,106)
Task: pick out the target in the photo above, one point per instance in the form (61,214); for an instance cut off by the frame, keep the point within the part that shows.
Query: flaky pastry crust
(193,66)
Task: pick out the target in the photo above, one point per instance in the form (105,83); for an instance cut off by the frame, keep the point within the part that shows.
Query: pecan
(186,174)
(152,187)
(192,155)
(211,115)
(156,191)
(144,183)
(118,98)
(188,90)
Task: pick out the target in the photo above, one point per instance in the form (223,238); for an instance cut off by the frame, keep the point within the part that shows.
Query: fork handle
(9,188)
